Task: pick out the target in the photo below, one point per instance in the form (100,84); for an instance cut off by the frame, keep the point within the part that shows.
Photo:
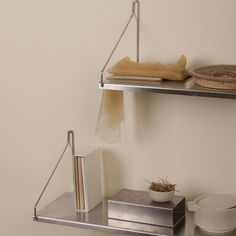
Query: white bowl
(161,196)
(214,213)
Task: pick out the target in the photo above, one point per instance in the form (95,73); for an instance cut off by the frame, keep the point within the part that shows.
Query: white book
(92,177)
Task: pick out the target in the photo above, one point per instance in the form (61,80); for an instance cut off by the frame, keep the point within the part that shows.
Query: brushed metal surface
(139,227)
(186,87)
(61,211)
(137,206)
(141,198)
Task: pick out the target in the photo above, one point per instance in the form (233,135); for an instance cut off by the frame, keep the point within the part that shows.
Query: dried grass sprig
(162,185)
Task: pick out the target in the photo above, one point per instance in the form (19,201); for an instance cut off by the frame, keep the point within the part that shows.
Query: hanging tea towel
(111,116)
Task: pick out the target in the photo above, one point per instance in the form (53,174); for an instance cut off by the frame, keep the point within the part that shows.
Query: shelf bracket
(71,144)
(136,14)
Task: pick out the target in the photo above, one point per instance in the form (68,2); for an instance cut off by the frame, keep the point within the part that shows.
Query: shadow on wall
(113,176)
(199,62)
(143,109)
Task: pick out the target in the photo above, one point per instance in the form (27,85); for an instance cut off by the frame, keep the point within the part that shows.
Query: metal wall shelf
(186,87)
(62,212)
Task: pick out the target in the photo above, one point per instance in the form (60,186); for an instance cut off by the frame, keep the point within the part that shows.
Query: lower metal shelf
(186,87)
(62,211)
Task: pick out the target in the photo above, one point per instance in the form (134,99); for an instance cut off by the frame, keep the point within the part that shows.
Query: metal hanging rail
(136,14)
(71,144)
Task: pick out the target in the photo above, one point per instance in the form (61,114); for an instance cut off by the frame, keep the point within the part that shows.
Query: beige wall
(51,53)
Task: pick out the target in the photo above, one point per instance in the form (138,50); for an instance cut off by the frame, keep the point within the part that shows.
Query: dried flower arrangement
(163,185)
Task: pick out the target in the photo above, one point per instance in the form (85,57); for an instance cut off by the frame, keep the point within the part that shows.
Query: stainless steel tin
(136,206)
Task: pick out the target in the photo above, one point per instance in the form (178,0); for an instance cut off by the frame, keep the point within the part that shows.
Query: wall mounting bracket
(70,143)
(135,14)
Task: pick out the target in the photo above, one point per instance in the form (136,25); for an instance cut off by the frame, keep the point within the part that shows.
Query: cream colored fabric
(111,116)
(126,67)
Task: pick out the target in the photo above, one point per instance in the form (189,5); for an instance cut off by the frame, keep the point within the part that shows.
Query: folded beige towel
(126,67)
(111,116)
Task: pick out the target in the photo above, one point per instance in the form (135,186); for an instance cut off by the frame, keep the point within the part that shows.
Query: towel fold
(127,67)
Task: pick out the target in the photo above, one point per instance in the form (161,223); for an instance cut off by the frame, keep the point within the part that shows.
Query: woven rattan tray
(217,76)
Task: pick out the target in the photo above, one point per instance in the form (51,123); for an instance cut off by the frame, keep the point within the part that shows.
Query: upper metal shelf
(186,87)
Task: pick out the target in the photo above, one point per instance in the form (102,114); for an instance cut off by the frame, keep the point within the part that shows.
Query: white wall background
(51,54)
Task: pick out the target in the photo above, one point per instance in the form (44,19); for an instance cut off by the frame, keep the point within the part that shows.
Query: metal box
(137,206)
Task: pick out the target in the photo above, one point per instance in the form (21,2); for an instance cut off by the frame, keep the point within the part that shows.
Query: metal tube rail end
(35,213)
(71,140)
(102,82)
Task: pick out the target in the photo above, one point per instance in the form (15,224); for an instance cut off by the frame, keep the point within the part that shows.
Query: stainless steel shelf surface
(186,87)
(62,211)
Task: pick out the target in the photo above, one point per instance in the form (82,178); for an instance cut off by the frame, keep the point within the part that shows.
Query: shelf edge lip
(169,90)
(82,225)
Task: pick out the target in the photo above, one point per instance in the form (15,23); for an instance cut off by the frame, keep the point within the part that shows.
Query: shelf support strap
(71,144)
(136,14)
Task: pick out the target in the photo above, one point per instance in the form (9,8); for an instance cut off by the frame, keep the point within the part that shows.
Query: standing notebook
(88,179)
